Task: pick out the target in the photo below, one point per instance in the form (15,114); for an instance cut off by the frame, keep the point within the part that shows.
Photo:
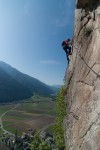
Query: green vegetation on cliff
(61,112)
(37,144)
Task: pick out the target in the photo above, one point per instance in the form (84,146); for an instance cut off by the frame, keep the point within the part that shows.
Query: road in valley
(1,124)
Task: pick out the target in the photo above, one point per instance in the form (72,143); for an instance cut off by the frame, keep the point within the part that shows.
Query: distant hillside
(15,85)
(56,87)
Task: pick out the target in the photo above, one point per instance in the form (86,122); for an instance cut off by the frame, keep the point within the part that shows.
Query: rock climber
(67,48)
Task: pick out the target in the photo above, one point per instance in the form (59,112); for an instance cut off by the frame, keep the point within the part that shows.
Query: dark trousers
(67,49)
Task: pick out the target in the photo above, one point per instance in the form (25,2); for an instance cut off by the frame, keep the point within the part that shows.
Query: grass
(50,129)
(12,129)
(1,132)
(4,108)
(52,112)
(40,98)
(37,108)
(13,126)
(20,115)
(13,117)
(7,123)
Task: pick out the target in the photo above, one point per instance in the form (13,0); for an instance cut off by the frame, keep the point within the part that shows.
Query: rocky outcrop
(82,78)
(85,3)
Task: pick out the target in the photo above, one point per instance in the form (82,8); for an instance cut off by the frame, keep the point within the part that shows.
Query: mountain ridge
(29,84)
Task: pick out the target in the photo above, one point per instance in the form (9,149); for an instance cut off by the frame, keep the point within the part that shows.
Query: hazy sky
(31,33)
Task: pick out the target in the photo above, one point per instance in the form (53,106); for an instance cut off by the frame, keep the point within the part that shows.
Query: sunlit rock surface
(82,78)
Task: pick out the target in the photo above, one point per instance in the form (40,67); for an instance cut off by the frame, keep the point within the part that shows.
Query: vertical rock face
(82,95)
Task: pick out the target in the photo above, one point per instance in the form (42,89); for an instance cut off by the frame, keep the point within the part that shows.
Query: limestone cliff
(82,78)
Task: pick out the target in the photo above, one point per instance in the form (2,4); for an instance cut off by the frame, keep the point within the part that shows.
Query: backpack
(64,43)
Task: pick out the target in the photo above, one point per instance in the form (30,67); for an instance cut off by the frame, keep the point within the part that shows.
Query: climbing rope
(82,58)
(78,52)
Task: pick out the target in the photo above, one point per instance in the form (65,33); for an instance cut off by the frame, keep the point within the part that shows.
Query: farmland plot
(37,115)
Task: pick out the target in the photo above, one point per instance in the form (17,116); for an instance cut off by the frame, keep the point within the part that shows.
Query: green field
(35,115)
(4,108)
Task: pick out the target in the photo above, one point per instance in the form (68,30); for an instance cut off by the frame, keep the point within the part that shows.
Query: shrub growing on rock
(88,30)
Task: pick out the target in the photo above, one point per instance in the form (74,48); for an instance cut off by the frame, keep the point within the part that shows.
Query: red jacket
(65,43)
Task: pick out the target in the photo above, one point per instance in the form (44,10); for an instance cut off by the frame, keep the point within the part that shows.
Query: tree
(36,141)
(43,146)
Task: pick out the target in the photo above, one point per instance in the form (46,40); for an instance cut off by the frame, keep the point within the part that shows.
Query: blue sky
(31,33)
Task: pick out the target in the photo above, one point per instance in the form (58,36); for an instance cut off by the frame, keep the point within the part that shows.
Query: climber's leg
(67,55)
(69,50)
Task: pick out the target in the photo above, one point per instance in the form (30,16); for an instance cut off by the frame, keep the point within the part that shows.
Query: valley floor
(27,115)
